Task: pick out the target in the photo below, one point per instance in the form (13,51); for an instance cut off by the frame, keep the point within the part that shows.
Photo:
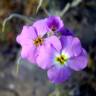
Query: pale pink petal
(44,58)
(27,35)
(41,27)
(29,52)
(54,42)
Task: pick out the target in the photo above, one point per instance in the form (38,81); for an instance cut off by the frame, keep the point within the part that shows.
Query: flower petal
(27,35)
(55,21)
(44,58)
(65,31)
(71,45)
(29,53)
(58,75)
(79,62)
(41,27)
(54,41)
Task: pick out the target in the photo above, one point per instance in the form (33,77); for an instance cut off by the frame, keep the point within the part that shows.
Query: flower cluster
(52,47)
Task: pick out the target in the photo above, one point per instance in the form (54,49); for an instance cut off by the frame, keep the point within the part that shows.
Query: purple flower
(56,26)
(60,63)
(54,23)
(32,38)
(58,56)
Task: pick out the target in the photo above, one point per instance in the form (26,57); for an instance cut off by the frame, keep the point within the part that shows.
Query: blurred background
(78,15)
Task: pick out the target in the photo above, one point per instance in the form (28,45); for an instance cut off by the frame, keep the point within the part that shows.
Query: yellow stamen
(61,59)
(38,41)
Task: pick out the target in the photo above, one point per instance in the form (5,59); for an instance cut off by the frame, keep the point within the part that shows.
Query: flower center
(53,28)
(38,41)
(61,59)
